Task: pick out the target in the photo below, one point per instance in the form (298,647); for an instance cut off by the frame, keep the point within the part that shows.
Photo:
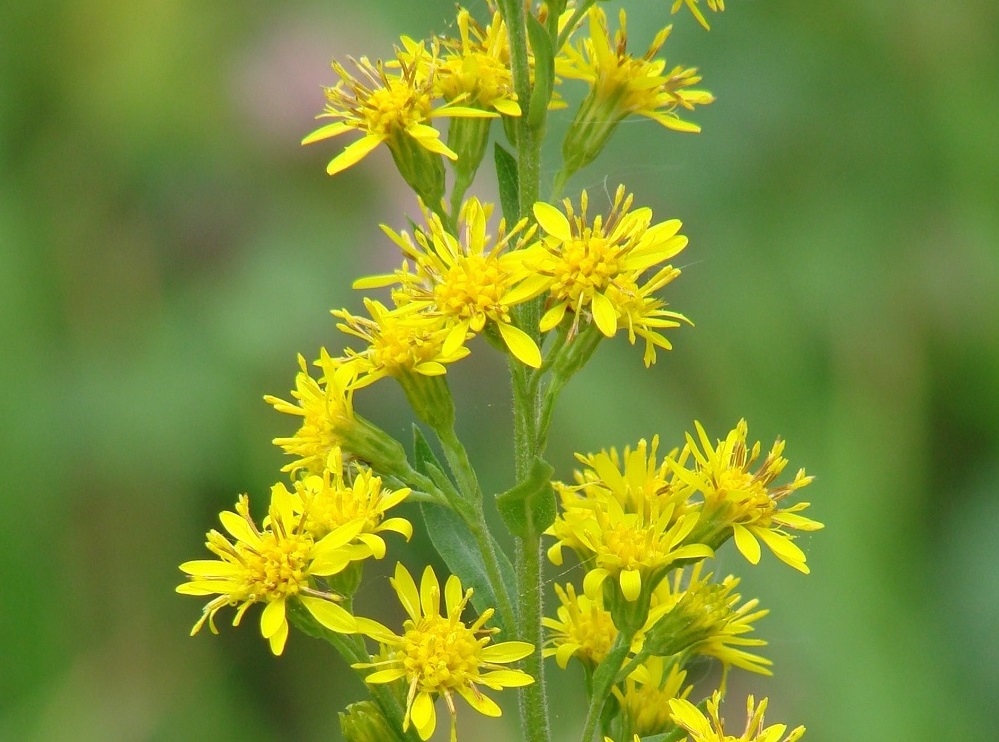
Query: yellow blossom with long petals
(469,280)
(401,340)
(386,107)
(475,68)
(596,269)
(625,84)
(585,629)
(645,694)
(439,655)
(705,618)
(273,566)
(326,409)
(710,727)
(746,502)
(338,497)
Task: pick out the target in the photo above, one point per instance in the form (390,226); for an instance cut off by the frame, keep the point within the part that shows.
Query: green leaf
(529,508)
(509,184)
(544,72)
(457,546)
(427,464)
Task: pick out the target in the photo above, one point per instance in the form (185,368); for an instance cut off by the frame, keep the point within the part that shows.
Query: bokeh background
(166,248)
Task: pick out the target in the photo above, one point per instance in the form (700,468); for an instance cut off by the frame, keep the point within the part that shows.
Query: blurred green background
(166,248)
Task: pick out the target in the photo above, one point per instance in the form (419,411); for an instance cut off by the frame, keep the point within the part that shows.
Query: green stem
(533,698)
(603,682)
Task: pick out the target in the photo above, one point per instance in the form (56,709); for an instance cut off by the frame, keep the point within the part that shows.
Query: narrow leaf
(509,188)
(544,72)
(457,546)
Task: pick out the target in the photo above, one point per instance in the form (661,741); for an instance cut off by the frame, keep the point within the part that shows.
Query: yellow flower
(273,566)
(745,502)
(438,655)
(326,409)
(621,85)
(711,727)
(598,267)
(476,68)
(715,5)
(402,340)
(584,629)
(705,618)
(394,108)
(331,501)
(624,518)
(646,694)
(468,281)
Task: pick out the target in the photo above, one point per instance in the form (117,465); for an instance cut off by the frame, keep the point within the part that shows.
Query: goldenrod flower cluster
(542,279)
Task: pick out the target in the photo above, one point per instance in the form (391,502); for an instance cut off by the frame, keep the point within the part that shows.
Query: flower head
(394,108)
(328,502)
(584,629)
(326,409)
(439,655)
(475,68)
(710,727)
(626,524)
(467,281)
(621,85)
(400,341)
(705,618)
(645,694)
(272,566)
(744,501)
(597,268)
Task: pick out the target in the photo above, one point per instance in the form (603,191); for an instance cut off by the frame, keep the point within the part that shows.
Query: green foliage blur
(166,248)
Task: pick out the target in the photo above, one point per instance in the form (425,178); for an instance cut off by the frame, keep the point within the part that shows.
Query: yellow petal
(210,568)
(277,641)
(238,527)
(423,715)
(330,615)
(328,131)
(746,543)
(354,153)
(273,618)
(592,582)
(604,315)
(507,651)
(385,676)
(498,679)
(553,221)
(521,345)
(553,317)
(405,588)
(631,584)
(483,704)
(430,593)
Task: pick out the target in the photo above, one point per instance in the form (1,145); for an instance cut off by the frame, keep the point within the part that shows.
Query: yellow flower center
(585,268)
(593,630)
(401,345)
(633,546)
(330,508)
(483,77)
(441,653)
(277,568)
(472,288)
(395,107)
